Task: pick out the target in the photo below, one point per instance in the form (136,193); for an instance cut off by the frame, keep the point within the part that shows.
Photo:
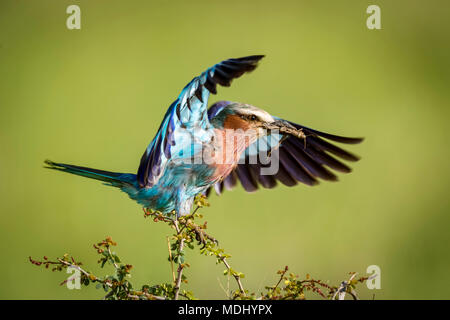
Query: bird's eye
(253,117)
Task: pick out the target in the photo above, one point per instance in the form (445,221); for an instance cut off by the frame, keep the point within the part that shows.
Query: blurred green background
(96,96)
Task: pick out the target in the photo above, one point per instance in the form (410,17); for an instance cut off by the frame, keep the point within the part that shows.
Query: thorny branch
(188,235)
(187,232)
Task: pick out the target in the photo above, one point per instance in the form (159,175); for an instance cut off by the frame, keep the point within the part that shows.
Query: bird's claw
(202,237)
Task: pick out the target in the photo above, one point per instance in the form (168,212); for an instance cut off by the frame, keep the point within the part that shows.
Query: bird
(173,169)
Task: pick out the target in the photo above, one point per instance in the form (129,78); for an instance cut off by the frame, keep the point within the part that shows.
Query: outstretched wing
(299,160)
(189,110)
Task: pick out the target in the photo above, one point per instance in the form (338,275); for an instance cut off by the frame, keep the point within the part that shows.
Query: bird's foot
(200,235)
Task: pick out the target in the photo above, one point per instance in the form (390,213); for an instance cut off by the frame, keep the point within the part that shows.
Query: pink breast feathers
(228,145)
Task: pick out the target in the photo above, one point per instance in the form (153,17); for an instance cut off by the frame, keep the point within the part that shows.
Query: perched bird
(173,169)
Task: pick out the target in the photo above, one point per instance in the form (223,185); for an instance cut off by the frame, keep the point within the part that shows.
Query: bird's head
(237,116)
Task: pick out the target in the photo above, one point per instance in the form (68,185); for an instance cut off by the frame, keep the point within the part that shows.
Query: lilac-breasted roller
(174,168)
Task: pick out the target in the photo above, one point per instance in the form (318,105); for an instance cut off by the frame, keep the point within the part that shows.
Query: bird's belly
(155,198)
(179,184)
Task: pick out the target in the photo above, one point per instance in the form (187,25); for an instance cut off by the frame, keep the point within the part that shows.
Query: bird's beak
(284,127)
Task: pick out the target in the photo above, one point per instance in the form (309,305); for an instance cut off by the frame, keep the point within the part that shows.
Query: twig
(227,290)
(238,279)
(281,279)
(112,259)
(195,210)
(180,264)
(171,260)
(147,295)
(107,283)
(342,290)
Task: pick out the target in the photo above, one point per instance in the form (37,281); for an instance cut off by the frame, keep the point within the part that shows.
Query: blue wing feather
(188,111)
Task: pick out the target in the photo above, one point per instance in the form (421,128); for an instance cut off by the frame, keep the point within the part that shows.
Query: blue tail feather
(115,179)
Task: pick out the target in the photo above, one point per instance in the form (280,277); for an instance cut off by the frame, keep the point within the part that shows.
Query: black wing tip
(350,156)
(251,62)
(329,136)
(356,140)
(255,57)
(228,70)
(317,139)
(338,138)
(48,164)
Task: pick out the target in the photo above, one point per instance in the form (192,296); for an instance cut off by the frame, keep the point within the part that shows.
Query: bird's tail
(115,179)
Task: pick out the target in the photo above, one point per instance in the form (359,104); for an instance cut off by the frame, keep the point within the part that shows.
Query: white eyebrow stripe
(261,114)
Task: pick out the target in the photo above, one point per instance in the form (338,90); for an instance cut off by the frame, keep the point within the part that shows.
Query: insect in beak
(285,128)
